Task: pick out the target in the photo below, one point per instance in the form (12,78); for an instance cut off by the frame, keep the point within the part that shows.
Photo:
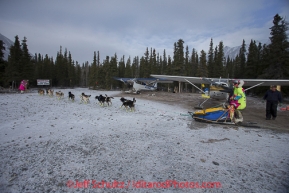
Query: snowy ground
(48,144)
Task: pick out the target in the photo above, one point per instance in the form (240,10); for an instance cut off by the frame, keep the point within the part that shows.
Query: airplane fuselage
(217,91)
(139,87)
(219,95)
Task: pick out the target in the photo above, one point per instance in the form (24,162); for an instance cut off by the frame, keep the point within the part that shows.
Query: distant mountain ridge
(232,52)
(7,44)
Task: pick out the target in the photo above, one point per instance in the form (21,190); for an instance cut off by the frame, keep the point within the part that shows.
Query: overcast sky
(128,27)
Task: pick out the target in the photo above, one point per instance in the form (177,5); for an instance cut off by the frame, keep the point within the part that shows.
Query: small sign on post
(43,82)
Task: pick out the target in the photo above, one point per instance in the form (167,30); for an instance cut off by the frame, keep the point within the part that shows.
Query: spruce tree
(214,72)
(59,67)
(264,61)
(242,56)
(158,63)
(84,74)
(188,69)
(27,66)
(48,68)
(278,67)
(128,70)
(169,70)
(146,64)
(174,60)
(211,65)
(161,64)
(93,73)
(219,65)
(194,63)
(71,71)
(236,65)
(259,52)
(153,63)
(179,65)
(141,67)
(114,70)
(65,68)
(135,67)
(121,68)
(229,71)
(203,70)
(14,67)
(78,74)
(164,63)
(38,66)
(252,61)
(107,70)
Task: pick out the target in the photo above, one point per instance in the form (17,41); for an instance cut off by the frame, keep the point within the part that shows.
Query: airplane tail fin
(156,85)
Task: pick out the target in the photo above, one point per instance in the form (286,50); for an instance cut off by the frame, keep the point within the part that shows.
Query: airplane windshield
(141,83)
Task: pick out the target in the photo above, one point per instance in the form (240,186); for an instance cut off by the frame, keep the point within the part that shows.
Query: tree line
(259,61)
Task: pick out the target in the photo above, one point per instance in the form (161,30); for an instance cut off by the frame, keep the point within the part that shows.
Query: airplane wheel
(138,92)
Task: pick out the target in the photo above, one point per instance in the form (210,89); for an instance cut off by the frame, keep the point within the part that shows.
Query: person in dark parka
(273,96)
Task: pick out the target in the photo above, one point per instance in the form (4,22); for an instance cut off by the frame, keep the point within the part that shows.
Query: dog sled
(222,114)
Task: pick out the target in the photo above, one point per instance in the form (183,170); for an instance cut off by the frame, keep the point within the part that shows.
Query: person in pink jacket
(22,86)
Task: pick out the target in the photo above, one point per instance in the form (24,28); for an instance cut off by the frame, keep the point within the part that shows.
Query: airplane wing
(146,80)
(195,80)
(204,80)
(124,80)
(265,82)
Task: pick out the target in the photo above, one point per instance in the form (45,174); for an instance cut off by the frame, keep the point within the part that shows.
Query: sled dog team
(102,100)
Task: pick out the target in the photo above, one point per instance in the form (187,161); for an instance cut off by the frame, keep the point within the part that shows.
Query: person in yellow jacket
(237,101)
(239,94)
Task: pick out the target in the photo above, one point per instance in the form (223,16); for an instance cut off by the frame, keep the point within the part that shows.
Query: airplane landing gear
(201,104)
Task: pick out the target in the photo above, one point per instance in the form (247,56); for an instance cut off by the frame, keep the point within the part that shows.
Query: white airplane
(219,88)
(139,84)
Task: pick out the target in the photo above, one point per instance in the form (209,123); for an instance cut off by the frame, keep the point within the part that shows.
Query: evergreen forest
(259,61)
